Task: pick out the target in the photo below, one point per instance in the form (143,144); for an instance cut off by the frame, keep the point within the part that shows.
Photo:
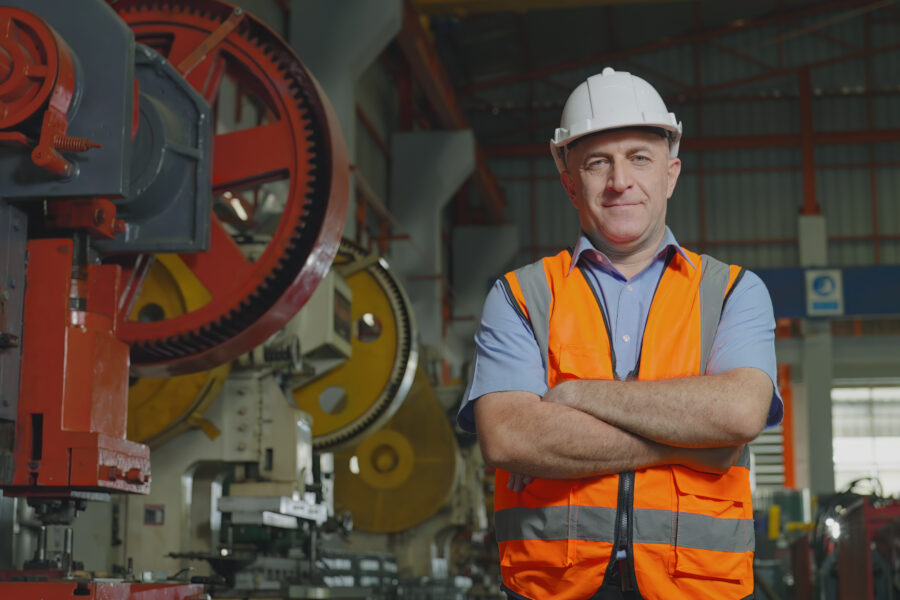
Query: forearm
(693,412)
(521,434)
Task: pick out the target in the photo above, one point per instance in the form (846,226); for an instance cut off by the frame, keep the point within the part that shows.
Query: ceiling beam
(475,7)
(431,76)
(702,36)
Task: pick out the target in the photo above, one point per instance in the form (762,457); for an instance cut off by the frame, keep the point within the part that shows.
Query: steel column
(817,359)
(338,41)
(810,205)
(428,168)
(432,77)
(817,381)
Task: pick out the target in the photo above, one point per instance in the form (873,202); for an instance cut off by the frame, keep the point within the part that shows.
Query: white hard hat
(611,100)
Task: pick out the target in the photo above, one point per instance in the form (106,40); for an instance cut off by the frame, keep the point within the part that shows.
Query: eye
(596,163)
(640,158)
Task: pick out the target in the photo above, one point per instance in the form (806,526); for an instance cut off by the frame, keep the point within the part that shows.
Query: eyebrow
(632,150)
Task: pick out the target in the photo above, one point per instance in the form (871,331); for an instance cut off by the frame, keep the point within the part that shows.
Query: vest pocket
(534,553)
(582,362)
(714,537)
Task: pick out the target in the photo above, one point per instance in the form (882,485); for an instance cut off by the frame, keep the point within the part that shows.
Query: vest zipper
(627,483)
(622,537)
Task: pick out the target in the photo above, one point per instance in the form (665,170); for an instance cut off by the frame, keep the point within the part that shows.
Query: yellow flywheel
(402,474)
(361,394)
(161,408)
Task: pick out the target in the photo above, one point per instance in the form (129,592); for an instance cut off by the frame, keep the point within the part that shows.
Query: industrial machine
(186,128)
(239,492)
(852,543)
(381,489)
(177,182)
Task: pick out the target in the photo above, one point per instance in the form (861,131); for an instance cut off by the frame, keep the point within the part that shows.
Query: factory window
(866,431)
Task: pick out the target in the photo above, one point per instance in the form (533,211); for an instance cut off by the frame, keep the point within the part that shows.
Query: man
(616,385)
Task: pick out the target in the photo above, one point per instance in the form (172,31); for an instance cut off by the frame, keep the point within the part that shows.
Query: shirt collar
(585,245)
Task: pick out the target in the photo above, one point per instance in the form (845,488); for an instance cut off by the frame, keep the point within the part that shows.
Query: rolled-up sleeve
(507,357)
(746,337)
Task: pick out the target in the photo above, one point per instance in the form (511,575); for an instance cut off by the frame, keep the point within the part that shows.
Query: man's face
(620,182)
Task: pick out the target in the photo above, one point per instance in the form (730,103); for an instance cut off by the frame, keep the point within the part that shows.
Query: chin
(622,238)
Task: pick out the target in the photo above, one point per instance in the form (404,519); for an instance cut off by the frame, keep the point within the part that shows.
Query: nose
(619,177)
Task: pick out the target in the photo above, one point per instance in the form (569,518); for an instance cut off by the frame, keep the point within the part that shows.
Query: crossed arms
(587,428)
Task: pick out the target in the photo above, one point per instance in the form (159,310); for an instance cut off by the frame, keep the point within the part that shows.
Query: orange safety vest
(688,534)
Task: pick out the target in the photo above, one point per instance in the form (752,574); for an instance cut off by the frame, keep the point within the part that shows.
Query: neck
(629,261)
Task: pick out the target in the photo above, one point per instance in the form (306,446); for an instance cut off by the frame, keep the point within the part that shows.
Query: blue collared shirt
(507,357)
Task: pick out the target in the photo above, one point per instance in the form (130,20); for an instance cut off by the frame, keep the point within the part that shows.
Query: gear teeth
(389,398)
(312,200)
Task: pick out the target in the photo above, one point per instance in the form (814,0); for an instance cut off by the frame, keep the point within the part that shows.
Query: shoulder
(749,289)
(559,262)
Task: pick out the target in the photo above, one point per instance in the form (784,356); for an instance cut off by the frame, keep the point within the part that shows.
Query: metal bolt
(242,446)
(242,427)
(242,410)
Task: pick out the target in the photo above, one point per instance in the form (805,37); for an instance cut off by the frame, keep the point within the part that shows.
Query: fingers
(518,482)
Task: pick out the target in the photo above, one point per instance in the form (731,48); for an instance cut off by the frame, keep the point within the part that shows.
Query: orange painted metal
(297,141)
(70,427)
(430,74)
(38,64)
(66,590)
(97,216)
(215,38)
(807,145)
(787,426)
(28,61)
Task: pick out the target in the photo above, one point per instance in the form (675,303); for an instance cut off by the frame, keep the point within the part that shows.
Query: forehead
(619,140)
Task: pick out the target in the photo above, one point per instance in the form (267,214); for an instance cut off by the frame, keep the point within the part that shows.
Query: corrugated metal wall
(740,205)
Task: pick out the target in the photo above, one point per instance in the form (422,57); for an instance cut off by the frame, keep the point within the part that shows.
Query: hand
(559,394)
(711,460)
(517,482)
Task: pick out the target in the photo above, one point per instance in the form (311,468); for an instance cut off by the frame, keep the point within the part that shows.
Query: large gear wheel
(159,408)
(402,474)
(258,271)
(361,395)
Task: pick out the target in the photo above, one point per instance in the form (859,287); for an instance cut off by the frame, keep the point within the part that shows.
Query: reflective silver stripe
(594,523)
(689,530)
(536,291)
(713,284)
(588,523)
(651,526)
(519,523)
(654,526)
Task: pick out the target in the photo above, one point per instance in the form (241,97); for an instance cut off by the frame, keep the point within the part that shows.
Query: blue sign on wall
(866,291)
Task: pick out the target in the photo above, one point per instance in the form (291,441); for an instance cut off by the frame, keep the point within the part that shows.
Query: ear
(568,182)
(673,171)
